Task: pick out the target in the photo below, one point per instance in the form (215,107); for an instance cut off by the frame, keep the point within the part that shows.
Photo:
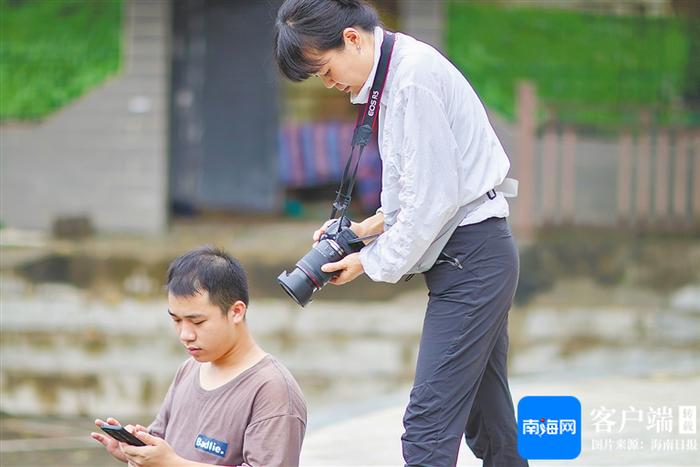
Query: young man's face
(202,328)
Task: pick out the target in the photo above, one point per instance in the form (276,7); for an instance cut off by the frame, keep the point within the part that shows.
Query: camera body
(336,243)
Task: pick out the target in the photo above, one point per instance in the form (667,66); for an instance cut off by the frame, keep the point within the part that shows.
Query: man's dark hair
(207,269)
(316,25)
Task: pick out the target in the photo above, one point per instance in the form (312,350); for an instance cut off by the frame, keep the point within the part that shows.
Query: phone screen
(119,433)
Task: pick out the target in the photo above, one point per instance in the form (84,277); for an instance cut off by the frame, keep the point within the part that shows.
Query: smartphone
(119,433)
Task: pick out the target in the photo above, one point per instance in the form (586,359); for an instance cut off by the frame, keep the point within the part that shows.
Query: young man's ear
(237,311)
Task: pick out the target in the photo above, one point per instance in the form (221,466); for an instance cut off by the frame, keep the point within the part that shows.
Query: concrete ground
(369,434)
(373,438)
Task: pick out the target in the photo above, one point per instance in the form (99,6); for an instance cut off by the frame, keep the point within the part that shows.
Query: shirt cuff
(369,264)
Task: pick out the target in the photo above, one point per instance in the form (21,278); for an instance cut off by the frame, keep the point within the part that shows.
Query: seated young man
(230,403)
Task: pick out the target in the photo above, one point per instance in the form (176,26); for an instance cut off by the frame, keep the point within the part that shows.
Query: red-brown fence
(647,176)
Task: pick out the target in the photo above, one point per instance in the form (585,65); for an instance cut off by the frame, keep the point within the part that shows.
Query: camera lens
(308,277)
(297,285)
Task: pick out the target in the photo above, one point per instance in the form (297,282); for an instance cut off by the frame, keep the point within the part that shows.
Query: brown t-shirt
(256,419)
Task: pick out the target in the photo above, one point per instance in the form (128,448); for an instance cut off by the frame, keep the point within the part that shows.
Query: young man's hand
(111,444)
(156,453)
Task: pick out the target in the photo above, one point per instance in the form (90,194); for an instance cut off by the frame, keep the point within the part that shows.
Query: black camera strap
(367,117)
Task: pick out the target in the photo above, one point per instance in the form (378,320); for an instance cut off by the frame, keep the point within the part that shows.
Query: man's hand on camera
(350,268)
(355,226)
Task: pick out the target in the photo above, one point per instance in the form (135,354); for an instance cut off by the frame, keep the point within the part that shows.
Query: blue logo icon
(549,427)
(211,445)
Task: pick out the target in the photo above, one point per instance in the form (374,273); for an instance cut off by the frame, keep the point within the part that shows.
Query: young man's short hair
(208,269)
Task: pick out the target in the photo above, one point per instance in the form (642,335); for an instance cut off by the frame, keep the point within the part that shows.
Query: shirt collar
(362,96)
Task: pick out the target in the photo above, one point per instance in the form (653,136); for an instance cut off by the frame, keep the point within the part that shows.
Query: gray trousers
(461,385)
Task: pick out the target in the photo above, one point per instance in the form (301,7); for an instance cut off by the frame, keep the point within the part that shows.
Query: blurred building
(190,124)
(199,120)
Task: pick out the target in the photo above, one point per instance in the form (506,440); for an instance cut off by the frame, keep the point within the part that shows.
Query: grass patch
(53,51)
(597,69)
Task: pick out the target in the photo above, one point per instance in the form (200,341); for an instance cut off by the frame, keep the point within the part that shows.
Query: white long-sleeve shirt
(438,151)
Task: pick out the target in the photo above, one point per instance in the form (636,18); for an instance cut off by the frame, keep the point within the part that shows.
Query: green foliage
(595,66)
(52,51)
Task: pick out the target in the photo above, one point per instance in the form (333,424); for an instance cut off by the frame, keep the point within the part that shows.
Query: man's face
(340,71)
(348,68)
(203,329)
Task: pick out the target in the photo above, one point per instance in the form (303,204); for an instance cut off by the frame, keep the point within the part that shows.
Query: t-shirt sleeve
(274,442)
(159,425)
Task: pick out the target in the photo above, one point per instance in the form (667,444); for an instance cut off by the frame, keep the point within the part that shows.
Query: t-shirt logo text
(211,445)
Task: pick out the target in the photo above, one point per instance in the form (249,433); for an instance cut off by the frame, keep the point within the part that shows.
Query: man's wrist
(359,228)
(373,225)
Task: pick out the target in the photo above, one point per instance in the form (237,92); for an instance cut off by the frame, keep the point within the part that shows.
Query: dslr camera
(336,243)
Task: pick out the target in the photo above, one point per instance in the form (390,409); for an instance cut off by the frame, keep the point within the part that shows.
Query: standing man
(230,403)
(442,197)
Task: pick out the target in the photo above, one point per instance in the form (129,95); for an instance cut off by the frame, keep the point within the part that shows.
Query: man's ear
(237,311)
(351,37)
